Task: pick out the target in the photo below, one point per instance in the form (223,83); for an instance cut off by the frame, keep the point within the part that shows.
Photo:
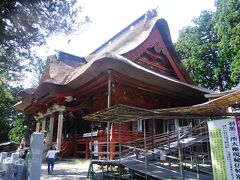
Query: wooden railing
(161,141)
(130,141)
(116,137)
(122,135)
(67,147)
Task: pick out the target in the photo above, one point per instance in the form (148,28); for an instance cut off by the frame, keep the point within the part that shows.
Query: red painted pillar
(112,150)
(87,155)
(100,149)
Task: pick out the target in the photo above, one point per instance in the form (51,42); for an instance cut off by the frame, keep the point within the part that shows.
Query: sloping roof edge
(219,94)
(112,61)
(164,30)
(108,61)
(146,16)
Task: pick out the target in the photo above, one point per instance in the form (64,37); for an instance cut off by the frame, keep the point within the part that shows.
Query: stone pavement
(69,169)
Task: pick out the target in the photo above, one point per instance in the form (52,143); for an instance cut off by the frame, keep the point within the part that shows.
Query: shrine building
(137,68)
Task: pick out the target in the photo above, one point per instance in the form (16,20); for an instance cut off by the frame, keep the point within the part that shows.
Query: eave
(120,64)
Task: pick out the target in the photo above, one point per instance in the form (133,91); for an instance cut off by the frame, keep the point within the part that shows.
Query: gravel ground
(68,169)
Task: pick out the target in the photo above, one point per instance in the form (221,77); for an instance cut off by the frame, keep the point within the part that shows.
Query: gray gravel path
(70,169)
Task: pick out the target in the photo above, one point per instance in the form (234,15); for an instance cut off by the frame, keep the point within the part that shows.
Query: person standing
(51,159)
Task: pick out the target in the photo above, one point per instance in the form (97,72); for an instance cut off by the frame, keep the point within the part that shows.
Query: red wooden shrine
(138,67)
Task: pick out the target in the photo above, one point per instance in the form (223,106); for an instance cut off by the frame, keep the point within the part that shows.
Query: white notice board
(224,141)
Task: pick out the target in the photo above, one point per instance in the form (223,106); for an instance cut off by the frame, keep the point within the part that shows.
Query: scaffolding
(170,155)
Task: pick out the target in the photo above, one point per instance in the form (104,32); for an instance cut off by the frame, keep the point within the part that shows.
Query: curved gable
(157,53)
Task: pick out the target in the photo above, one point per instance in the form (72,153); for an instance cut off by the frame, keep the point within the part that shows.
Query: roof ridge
(146,16)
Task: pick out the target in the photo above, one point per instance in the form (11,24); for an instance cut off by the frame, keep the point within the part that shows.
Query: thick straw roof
(213,108)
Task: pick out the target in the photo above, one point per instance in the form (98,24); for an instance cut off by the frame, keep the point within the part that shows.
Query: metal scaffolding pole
(120,138)
(108,136)
(108,105)
(169,147)
(197,167)
(207,144)
(119,146)
(164,126)
(145,148)
(91,141)
(90,169)
(180,156)
(153,136)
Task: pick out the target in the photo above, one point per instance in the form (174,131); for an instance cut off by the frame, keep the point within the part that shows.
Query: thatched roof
(214,108)
(62,77)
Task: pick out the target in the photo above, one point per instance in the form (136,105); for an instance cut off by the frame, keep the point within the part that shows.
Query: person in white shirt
(50,159)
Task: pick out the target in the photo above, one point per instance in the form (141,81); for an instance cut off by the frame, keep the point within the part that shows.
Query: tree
(197,47)
(8,98)
(27,23)
(13,124)
(227,20)
(38,71)
(207,53)
(23,126)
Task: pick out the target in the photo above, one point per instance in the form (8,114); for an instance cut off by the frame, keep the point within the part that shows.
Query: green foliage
(197,47)
(22,127)
(227,19)
(13,124)
(27,23)
(4,125)
(210,48)
(235,67)
(17,133)
(38,71)
(7,100)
